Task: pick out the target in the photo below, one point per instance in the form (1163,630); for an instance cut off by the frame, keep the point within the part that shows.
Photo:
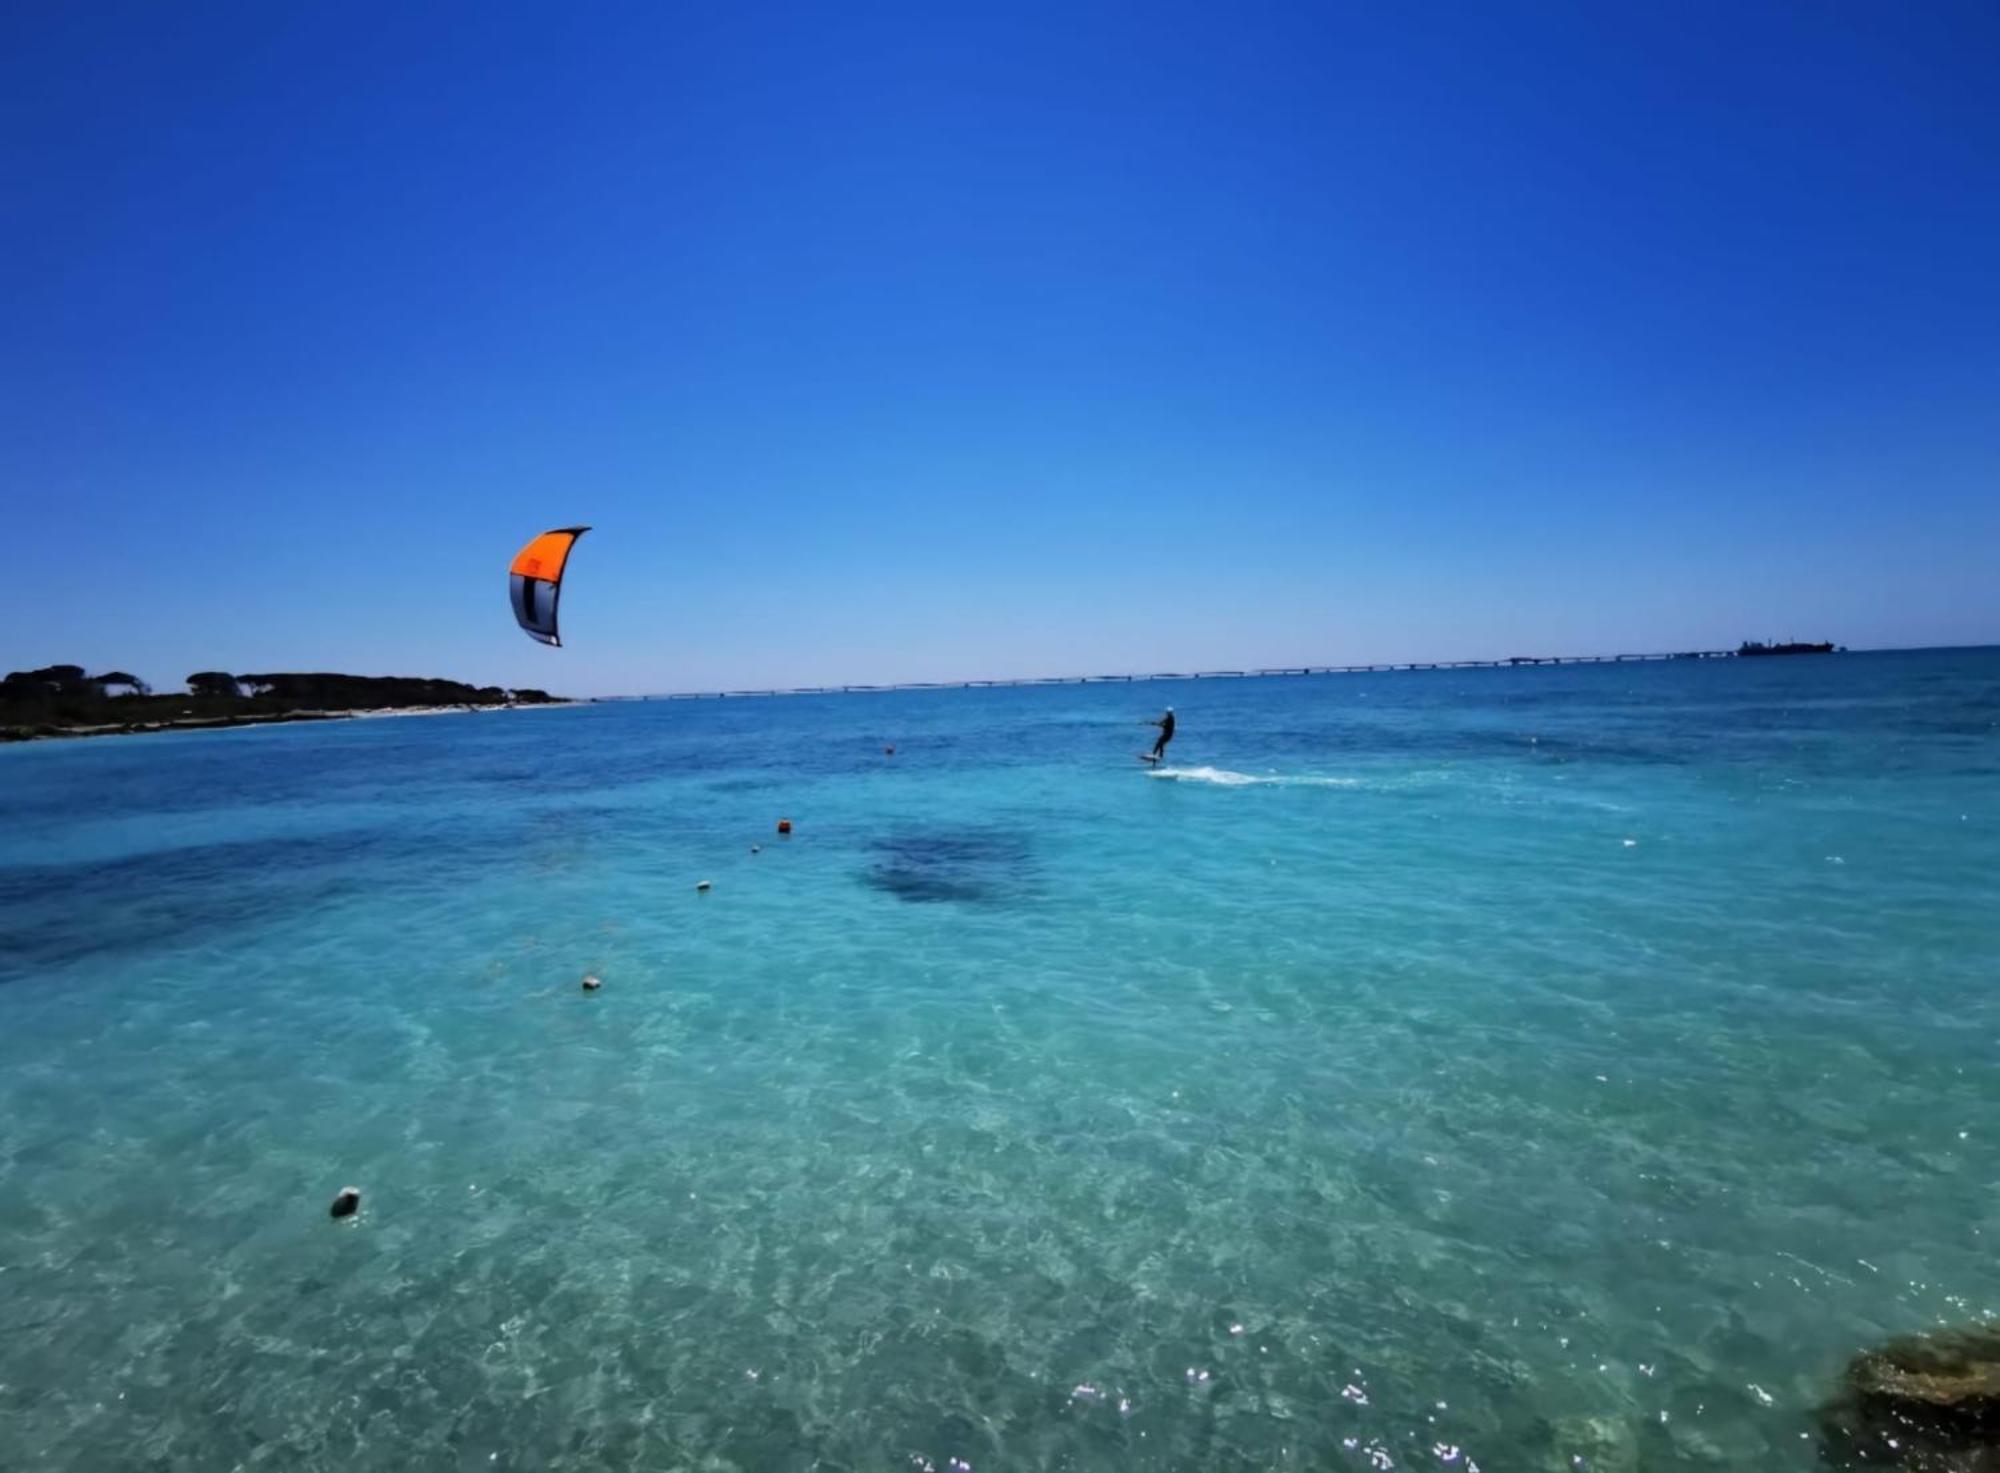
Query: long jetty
(1513,662)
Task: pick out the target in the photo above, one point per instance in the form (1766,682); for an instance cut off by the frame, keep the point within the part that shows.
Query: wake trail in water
(1221,777)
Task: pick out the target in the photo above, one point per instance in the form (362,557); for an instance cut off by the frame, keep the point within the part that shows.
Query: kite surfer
(1166,726)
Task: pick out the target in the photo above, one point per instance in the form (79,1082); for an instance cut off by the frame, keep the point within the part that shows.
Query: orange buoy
(784,825)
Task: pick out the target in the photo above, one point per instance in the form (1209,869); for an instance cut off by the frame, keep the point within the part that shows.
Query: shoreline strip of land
(50,733)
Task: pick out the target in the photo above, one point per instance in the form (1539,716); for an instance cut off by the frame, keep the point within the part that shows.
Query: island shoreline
(14,735)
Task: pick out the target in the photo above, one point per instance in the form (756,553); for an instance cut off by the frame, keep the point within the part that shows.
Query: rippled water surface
(1428,1070)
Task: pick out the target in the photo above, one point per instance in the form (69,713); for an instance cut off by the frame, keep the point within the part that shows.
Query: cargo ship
(1789,647)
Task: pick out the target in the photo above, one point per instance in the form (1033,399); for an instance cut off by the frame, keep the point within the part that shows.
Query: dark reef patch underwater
(978,867)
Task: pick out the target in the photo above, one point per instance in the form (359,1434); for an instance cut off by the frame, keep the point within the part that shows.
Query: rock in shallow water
(1929,1403)
(1600,1444)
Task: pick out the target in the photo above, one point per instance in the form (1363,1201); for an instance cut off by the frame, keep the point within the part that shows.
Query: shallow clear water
(1502,1067)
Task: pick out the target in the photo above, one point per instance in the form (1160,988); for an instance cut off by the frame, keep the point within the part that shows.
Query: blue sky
(924,342)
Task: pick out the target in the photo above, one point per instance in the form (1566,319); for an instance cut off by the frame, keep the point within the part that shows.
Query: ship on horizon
(1788,647)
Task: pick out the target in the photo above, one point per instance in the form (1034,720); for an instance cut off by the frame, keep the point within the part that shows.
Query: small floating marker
(346,1202)
(701,885)
(591,984)
(784,825)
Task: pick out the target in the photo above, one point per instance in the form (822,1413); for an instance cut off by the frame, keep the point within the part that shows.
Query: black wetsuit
(1166,726)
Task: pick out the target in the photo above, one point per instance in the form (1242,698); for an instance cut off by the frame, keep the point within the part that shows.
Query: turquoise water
(1427,1070)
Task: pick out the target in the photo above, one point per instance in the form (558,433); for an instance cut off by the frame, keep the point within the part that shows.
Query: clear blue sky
(930,341)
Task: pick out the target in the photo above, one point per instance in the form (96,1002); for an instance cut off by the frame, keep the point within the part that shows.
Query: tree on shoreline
(56,698)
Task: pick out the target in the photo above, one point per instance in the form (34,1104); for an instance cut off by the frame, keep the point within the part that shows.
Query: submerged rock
(346,1202)
(1598,1444)
(1929,1403)
(969,866)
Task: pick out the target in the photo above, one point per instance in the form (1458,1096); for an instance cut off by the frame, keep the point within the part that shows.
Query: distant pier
(1394,667)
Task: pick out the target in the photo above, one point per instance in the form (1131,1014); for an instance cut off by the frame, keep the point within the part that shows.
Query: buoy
(784,825)
(701,885)
(346,1202)
(591,984)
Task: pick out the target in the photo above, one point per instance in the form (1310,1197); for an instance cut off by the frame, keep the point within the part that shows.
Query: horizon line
(1384,667)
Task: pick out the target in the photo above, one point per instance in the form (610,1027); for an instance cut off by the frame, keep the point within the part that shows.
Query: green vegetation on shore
(61,700)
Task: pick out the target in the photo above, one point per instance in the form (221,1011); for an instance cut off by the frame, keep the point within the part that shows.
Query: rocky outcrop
(1926,1403)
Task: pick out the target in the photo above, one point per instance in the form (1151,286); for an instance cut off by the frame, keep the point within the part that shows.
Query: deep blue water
(1501,1066)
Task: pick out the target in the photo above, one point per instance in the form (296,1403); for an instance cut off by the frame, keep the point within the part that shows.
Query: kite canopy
(535,581)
